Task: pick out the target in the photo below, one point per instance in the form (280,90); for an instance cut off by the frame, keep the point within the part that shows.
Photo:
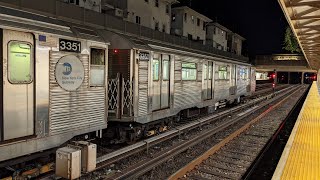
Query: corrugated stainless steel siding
(187,93)
(143,88)
(75,111)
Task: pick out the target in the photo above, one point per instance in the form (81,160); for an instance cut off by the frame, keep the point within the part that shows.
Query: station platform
(301,156)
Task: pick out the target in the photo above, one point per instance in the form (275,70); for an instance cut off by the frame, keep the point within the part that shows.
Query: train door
(18,85)
(207,82)
(1,85)
(161,81)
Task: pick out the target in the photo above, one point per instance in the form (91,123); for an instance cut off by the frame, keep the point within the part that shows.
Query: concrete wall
(219,37)
(190,26)
(237,45)
(94,5)
(149,14)
(177,24)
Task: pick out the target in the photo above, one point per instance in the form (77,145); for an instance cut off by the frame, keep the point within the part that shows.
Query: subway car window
(210,70)
(189,71)
(243,73)
(166,70)
(97,67)
(20,65)
(205,71)
(223,72)
(155,63)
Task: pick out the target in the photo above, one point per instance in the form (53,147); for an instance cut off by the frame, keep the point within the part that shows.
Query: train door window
(210,70)
(205,71)
(97,67)
(189,71)
(166,70)
(155,66)
(20,67)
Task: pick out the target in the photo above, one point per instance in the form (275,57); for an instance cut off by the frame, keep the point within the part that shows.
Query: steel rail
(192,165)
(110,158)
(144,166)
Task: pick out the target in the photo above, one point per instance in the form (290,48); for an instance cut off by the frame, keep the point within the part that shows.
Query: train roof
(119,40)
(34,22)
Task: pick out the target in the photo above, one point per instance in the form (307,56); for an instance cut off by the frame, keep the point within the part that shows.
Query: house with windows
(235,43)
(94,5)
(217,36)
(154,14)
(189,23)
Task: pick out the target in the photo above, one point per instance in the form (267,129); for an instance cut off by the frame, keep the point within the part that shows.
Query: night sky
(261,22)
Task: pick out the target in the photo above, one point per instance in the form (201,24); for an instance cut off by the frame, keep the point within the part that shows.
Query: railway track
(232,158)
(147,164)
(114,155)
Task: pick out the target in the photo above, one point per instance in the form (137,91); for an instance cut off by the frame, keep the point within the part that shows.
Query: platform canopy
(304,19)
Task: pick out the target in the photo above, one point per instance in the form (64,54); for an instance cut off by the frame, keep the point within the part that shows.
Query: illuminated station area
(283,69)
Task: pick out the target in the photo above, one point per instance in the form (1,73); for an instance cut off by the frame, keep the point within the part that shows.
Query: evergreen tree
(290,42)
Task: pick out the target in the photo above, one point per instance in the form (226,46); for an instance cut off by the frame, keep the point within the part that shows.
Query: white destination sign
(69,73)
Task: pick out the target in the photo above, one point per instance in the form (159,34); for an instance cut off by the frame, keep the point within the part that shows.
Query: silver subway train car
(63,80)
(53,87)
(161,83)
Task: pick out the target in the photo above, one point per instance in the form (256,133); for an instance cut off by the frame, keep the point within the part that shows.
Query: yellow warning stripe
(301,156)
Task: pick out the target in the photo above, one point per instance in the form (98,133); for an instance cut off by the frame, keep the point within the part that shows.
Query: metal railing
(72,13)
(120,97)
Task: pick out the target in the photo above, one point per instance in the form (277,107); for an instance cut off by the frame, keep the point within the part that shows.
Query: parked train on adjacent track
(62,80)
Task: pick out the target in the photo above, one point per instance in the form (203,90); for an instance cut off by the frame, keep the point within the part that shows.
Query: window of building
(138,19)
(214,30)
(77,2)
(163,28)
(223,72)
(156,26)
(97,67)
(185,17)
(147,1)
(173,17)
(189,71)
(198,38)
(167,9)
(20,67)
(156,3)
(192,19)
(198,22)
(189,36)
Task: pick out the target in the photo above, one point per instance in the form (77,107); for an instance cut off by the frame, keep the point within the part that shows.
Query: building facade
(94,5)
(189,23)
(154,14)
(235,43)
(217,36)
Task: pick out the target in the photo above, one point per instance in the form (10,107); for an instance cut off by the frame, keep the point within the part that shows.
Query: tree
(290,42)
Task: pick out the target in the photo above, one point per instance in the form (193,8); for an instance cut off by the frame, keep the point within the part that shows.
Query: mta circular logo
(67,69)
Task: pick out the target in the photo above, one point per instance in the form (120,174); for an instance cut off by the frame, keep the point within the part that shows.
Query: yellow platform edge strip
(300,158)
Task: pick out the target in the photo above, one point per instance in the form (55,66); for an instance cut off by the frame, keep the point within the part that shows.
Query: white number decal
(68,46)
(75,46)
(62,45)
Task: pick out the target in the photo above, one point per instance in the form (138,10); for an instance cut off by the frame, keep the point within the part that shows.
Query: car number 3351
(68,45)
